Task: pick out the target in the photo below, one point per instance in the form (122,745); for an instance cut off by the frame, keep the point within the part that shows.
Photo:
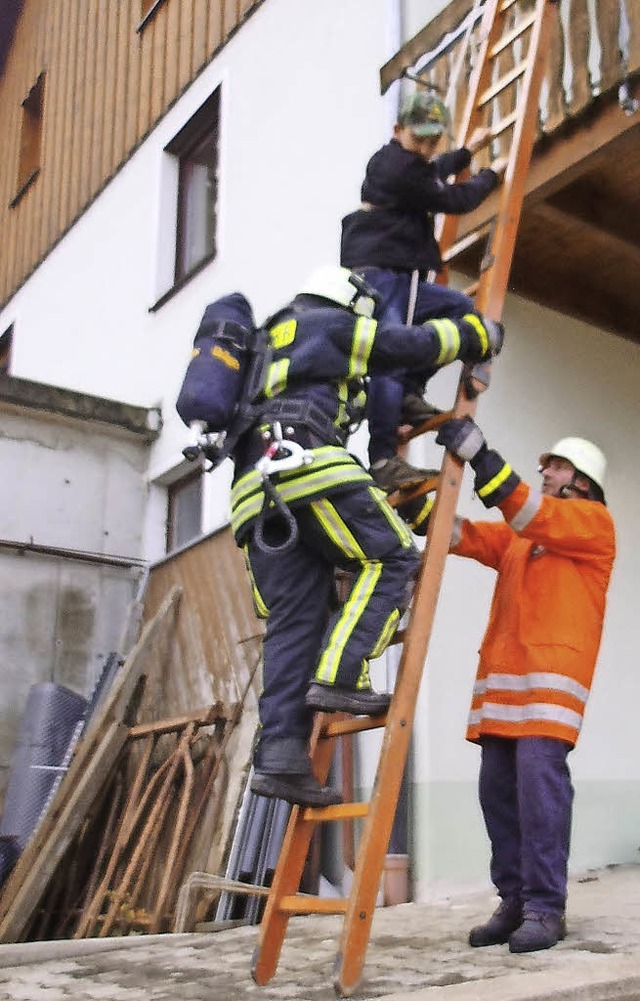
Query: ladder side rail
(472,115)
(288,874)
(492,289)
(377,830)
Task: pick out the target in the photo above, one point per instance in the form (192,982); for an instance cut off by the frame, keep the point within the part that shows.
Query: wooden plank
(69,53)
(109,24)
(172,52)
(608,25)
(633,19)
(158,62)
(578,44)
(55,114)
(122,99)
(145,37)
(202,10)
(185,43)
(134,76)
(216,31)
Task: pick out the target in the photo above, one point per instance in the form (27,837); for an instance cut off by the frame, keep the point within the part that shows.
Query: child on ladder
(390,237)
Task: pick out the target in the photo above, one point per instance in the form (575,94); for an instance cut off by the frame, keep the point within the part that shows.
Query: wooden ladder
(504,22)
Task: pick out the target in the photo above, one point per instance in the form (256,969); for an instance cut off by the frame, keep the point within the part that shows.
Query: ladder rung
(400,496)
(506,4)
(467,241)
(353,724)
(503,124)
(511,36)
(341,811)
(471,290)
(502,84)
(299,904)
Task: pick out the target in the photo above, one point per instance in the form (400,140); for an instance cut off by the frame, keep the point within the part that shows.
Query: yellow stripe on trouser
(496,482)
(394,519)
(359,596)
(260,605)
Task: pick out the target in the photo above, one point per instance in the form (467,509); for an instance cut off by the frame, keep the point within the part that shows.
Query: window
(184,518)
(196,149)
(30,137)
(5,350)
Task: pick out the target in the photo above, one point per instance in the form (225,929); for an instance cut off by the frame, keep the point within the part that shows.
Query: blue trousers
(526,798)
(305,638)
(386,390)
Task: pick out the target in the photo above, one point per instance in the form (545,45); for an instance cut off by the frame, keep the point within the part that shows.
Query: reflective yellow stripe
(363,337)
(331,467)
(394,519)
(336,529)
(496,482)
(262,610)
(283,334)
(480,330)
(423,513)
(449,337)
(388,630)
(277,375)
(355,605)
(342,416)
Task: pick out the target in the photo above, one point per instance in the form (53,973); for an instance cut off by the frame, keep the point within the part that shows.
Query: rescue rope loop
(273,500)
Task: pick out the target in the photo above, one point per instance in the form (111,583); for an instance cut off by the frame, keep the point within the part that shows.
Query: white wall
(301,114)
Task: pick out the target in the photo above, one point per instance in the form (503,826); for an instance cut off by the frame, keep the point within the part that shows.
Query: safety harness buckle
(282,454)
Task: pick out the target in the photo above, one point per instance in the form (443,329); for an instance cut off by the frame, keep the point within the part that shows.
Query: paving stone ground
(416,952)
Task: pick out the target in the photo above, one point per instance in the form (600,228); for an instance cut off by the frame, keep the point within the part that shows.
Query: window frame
(173,489)
(205,123)
(31,128)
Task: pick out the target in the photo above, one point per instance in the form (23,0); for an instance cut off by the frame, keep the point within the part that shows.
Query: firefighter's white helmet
(342,286)
(587,458)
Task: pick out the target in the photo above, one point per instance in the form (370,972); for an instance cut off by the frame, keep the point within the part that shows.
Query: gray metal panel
(50,718)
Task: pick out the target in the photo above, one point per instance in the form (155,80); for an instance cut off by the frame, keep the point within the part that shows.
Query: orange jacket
(538,655)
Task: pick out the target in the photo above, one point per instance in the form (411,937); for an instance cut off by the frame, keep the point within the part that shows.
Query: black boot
(502,923)
(539,930)
(302,790)
(331,699)
(282,770)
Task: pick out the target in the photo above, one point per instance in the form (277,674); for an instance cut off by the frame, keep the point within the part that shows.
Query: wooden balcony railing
(592,52)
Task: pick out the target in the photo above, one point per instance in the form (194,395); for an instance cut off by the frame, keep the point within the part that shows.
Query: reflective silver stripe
(363,337)
(527,682)
(525,714)
(528,511)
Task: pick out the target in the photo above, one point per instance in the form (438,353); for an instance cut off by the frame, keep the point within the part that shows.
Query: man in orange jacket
(554,553)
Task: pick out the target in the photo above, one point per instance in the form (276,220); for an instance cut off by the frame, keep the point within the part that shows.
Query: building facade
(162,154)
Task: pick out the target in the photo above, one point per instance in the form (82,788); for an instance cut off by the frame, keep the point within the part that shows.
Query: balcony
(578,246)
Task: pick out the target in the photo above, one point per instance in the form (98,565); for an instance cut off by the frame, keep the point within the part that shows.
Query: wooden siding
(109,80)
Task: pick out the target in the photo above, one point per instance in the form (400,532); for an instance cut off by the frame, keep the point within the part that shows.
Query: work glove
(495,480)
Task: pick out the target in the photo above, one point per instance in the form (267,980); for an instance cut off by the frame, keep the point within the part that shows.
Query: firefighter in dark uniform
(302,506)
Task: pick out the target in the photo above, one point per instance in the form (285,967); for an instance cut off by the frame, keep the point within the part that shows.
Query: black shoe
(397,474)
(330,699)
(539,930)
(416,410)
(302,790)
(501,925)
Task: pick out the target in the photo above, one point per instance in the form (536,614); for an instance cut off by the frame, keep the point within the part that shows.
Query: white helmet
(587,458)
(342,286)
